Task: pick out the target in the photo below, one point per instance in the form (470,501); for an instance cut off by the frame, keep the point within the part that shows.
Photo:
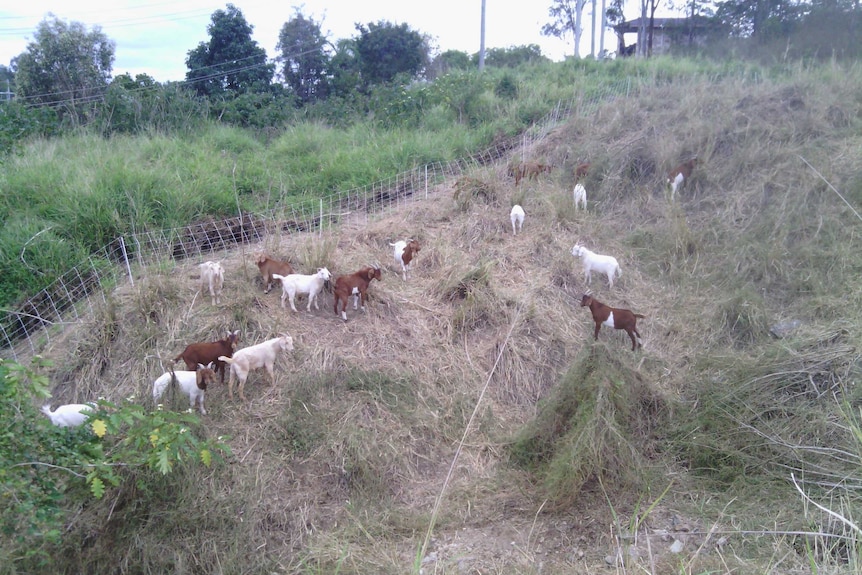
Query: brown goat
(680,175)
(355,284)
(269,266)
(581,171)
(204,353)
(530,170)
(613,317)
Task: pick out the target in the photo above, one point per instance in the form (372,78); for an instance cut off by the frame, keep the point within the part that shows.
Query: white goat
(607,265)
(191,383)
(212,278)
(517,217)
(580,193)
(69,415)
(254,357)
(294,284)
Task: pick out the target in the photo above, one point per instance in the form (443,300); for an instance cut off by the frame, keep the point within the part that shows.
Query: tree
(344,69)
(302,50)
(65,66)
(386,50)
(566,16)
(231,62)
(513,56)
(760,19)
(448,61)
(7,81)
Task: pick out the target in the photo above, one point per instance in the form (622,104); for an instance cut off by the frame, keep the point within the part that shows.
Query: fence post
(126,259)
(426,181)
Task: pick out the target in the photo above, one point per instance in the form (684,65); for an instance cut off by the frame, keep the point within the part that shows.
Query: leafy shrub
(46,471)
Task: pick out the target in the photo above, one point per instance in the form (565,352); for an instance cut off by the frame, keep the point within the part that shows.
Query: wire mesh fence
(72,295)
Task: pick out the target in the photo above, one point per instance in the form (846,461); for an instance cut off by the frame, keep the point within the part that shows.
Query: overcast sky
(154,36)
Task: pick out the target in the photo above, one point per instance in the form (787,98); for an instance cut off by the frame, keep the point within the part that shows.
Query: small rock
(676,547)
(611,560)
(784,328)
(430,557)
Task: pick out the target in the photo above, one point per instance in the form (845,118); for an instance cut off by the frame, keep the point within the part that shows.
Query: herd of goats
(204,360)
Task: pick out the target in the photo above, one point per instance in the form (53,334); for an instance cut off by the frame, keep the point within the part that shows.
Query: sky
(154,37)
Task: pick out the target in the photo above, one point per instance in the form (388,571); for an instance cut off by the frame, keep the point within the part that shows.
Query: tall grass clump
(599,423)
(775,410)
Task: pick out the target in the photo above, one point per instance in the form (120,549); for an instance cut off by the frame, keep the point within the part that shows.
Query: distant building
(667,32)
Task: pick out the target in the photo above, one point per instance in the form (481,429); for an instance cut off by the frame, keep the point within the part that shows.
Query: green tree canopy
(386,50)
(231,62)
(760,19)
(513,56)
(65,65)
(344,69)
(303,54)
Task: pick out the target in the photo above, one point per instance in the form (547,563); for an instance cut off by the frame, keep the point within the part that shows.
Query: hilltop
(578,451)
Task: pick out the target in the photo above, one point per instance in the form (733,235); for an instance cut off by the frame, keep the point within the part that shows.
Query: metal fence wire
(72,295)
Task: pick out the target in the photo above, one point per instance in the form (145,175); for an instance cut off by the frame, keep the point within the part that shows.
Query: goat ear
(211,365)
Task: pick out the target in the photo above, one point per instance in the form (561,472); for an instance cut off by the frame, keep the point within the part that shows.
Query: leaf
(206,457)
(97,487)
(99,428)
(164,462)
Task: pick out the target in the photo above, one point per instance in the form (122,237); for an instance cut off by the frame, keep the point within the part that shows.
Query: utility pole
(482,40)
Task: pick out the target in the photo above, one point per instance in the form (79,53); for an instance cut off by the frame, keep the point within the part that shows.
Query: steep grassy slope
(576,452)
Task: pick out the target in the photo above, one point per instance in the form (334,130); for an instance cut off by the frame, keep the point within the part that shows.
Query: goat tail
(177,358)
(225,359)
(639,315)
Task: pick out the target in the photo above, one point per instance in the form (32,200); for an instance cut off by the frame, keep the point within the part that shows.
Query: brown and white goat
(269,266)
(356,285)
(530,170)
(680,174)
(192,383)
(613,317)
(404,252)
(204,353)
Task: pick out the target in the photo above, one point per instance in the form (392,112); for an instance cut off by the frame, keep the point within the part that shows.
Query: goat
(192,383)
(69,415)
(269,266)
(680,174)
(530,170)
(355,284)
(580,194)
(404,252)
(212,278)
(613,317)
(581,171)
(254,357)
(310,285)
(607,265)
(517,216)
(204,353)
